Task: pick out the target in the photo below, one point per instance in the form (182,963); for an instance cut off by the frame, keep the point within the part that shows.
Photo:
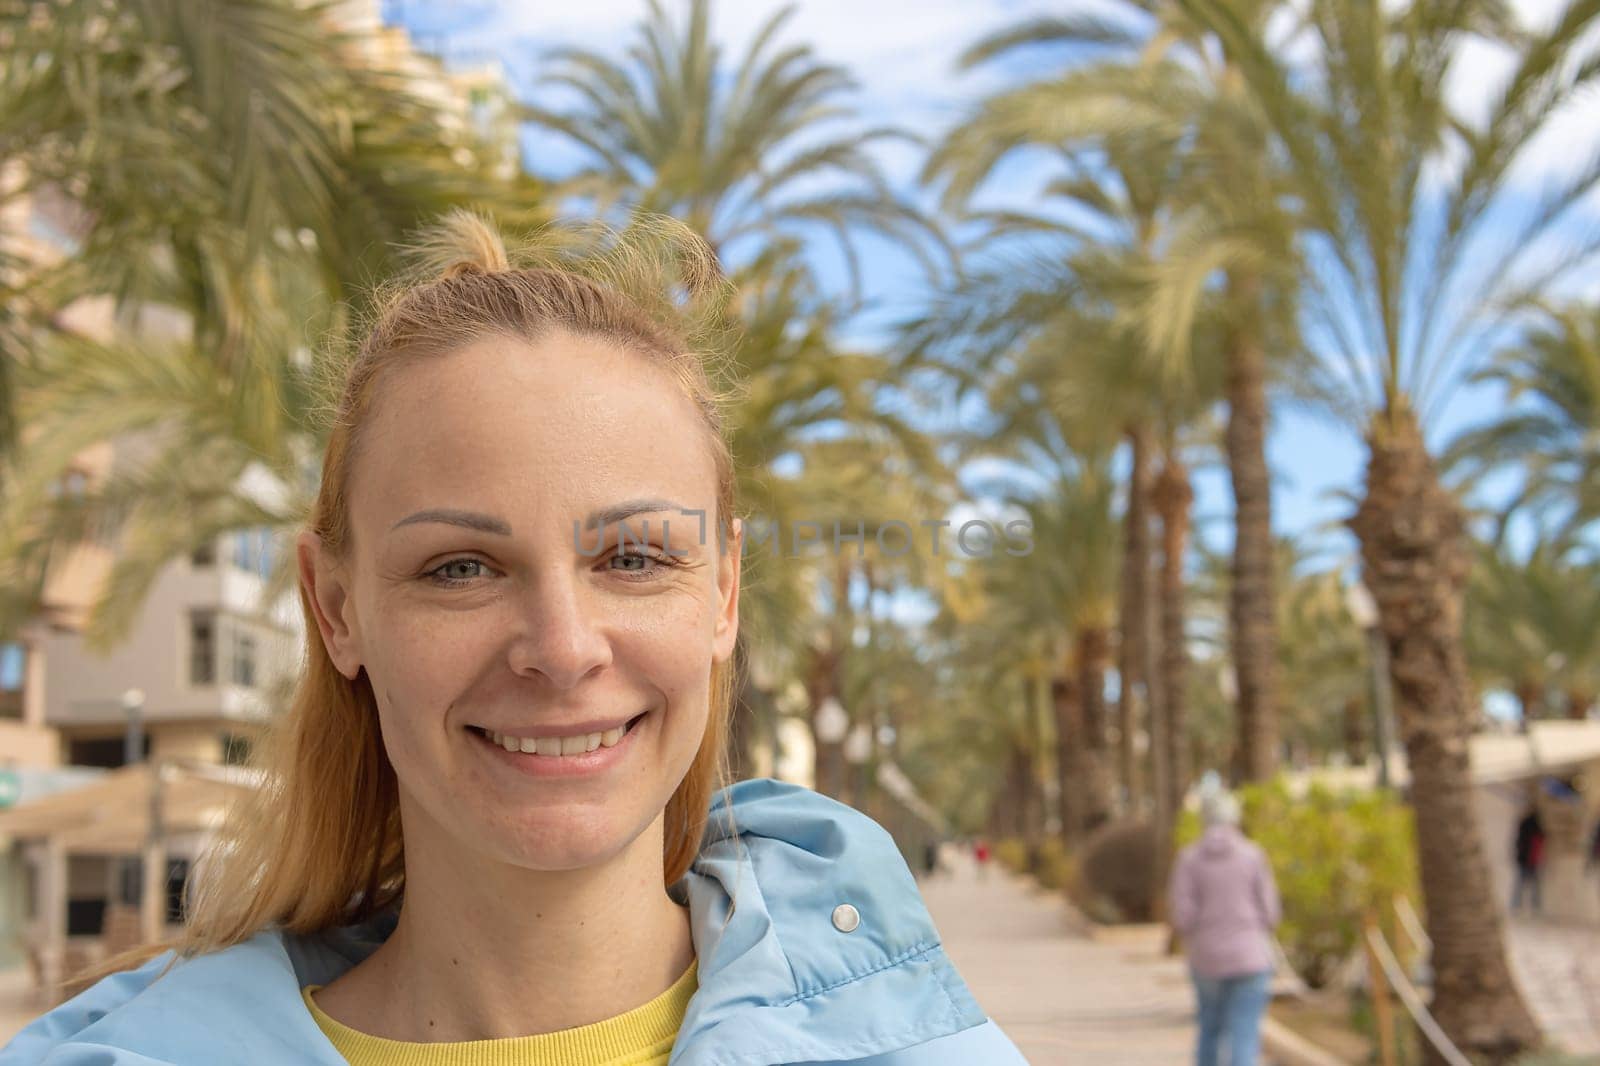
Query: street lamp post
(1364,610)
(132,876)
(857,750)
(133,743)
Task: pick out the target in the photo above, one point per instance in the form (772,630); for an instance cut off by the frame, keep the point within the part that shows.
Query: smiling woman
(497,825)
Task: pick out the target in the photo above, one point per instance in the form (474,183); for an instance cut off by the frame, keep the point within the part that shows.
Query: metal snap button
(846,918)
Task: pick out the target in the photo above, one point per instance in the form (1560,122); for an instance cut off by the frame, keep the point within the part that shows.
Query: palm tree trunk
(1093,654)
(1133,614)
(1252,613)
(1033,805)
(832,777)
(822,681)
(1173,497)
(1068,708)
(1355,732)
(1415,562)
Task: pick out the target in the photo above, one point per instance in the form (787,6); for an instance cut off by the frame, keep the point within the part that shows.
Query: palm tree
(993,653)
(736,152)
(1072,516)
(1533,626)
(1552,379)
(195,143)
(1397,193)
(1321,653)
(1323,660)
(1052,320)
(1153,83)
(814,445)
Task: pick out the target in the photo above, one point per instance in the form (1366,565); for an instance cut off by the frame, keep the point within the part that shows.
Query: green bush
(1053,867)
(1334,855)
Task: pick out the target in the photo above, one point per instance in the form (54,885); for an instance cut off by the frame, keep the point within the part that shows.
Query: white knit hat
(1217,804)
(1219,808)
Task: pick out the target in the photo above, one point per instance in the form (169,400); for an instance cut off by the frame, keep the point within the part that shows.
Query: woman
(494,832)
(1224,904)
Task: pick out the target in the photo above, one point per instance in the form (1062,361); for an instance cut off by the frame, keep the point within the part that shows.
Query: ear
(326,584)
(728,568)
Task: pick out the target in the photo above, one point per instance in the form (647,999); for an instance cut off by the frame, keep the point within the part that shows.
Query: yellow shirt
(641,1037)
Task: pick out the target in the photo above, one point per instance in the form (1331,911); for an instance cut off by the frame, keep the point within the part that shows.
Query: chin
(569,836)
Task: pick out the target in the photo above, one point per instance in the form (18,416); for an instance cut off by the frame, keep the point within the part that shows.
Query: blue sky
(903,54)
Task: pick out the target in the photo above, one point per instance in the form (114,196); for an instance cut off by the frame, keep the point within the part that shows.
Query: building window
(85,917)
(105,752)
(255,550)
(177,875)
(205,555)
(244,659)
(235,749)
(202,647)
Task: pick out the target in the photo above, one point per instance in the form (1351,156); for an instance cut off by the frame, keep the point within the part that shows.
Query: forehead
(542,429)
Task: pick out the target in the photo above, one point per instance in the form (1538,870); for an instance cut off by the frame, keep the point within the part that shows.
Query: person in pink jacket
(1224,903)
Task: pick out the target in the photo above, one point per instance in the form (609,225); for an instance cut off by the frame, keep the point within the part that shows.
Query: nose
(559,634)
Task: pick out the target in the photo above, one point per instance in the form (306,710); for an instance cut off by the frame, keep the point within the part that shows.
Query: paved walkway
(1558,967)
(1061,997)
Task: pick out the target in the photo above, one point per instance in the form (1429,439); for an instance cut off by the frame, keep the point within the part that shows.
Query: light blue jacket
(778,981)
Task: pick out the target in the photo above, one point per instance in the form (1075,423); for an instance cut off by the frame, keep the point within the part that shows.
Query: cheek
(431,652)
(418,668)
(671,644)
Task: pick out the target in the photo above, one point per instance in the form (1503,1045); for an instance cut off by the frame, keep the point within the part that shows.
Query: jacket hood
(778,981)
(1220,841)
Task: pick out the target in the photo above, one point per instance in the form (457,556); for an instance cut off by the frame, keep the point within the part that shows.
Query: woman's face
(480,601)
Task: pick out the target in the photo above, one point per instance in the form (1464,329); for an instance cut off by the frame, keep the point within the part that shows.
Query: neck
(483,950)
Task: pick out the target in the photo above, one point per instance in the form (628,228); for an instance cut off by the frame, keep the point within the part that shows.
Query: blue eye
(437,576)
(663,562)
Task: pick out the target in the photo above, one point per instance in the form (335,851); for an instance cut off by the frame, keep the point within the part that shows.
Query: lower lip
(597,761)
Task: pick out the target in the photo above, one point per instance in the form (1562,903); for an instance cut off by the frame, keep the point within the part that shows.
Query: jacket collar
(780,980)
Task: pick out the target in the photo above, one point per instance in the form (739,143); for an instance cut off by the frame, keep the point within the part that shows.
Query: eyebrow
(486,523)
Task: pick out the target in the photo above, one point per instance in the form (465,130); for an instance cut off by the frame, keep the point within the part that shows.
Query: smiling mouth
(558,747)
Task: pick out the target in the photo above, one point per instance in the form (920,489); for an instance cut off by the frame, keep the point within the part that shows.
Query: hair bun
(461,243)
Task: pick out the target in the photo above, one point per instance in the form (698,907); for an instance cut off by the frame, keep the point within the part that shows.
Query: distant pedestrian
(930,858)
(1224,903)
(1529,854)
(981,852)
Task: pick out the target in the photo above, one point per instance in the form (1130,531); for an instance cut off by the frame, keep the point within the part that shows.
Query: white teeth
(577,745)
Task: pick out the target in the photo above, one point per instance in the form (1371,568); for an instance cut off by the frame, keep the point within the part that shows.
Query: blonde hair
(319,843)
